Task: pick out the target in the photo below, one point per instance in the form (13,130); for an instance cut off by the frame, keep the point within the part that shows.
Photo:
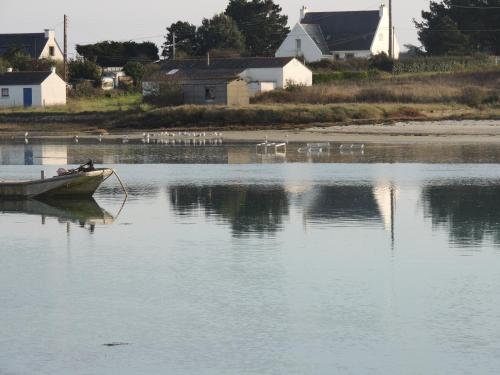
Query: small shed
(217,87)
(32,89)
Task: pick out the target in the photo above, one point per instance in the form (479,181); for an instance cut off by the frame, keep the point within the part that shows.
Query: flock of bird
(187,138)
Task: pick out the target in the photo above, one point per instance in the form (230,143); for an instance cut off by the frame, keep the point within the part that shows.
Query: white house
(37,45)
(339,35)
(261,73)
(32,89)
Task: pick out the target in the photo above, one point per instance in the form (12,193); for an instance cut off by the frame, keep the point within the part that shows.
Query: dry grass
(436,88)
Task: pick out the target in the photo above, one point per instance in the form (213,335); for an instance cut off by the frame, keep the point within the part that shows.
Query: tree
(135,70)
(220,33)
(459,26)
(185,37)
(111,53)
(261,23)
(83,69)
(442,37)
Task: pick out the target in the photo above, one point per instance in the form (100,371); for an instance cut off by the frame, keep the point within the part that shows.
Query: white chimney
(53,70)
(303,11)
(50,34)
(9,70)
(382,10)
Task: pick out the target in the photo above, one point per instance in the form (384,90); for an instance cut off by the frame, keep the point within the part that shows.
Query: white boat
(80,182)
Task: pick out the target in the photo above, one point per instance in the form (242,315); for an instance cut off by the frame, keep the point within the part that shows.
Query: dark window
(298,46)
(5,93)
(349,56)
(209,93)
(337,56)
(52,51)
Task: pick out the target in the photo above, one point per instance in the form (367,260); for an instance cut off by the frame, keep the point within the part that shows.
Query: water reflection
(85,213)
(249,209)
(469,212)
(60,152)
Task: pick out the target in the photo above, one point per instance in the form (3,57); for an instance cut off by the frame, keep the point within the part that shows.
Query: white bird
(26,135)
(76,139)
(100,138)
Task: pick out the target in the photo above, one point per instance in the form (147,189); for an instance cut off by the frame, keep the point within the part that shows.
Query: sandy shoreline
(451,131)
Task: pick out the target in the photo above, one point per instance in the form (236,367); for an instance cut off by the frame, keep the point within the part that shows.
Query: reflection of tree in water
(352,203)
(249,209)
(470,212)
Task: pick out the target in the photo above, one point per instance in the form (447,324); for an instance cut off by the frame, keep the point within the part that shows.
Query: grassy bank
(464,95)
(251,117)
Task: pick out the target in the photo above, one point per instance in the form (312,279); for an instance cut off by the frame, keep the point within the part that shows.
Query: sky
(91,21)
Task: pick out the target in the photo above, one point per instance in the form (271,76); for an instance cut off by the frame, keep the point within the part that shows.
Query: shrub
(442,64)
(168,94)
(473,96)
(351,65)
(85,88)
(382,62)
(327,77)
(83,69)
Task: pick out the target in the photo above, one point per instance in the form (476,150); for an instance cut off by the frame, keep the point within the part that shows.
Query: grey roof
(194,74)
(238,64)
(345,31)
(316,34)
(32,44)
(23,78)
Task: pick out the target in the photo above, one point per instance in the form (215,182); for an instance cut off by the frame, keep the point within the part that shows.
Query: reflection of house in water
(33,154)
(249,209)
(356,204)
(469,212)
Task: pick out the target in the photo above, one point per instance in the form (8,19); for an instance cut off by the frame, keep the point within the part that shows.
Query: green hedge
(442,64)
(327,77)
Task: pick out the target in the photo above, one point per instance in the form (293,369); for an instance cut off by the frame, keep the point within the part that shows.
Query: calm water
(377,261)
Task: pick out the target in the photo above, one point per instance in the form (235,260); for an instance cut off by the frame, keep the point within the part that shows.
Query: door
(28,97)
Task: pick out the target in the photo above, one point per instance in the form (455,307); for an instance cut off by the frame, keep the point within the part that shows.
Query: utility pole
(391,32)
(174,49)
(65,48)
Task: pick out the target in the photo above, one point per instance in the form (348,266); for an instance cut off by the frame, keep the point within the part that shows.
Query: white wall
(297,73)
(16,96)
(58,54)
(294,71)
(381,40)
(264,75)
(310,50)
(53,91)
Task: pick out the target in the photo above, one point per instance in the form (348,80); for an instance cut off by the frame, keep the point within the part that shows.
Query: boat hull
(76,185)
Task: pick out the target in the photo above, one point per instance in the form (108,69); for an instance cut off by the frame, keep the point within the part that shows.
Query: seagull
(100,138)
(76,139)
(26,135)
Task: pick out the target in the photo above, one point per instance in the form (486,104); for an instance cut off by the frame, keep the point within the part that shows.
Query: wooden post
(42,175)
(65,48)
(391,35)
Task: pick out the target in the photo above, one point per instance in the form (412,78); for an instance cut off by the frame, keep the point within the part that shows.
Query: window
(298,46)
(5,93)
(349,56)
(337,56)
(210,93)
(52,51)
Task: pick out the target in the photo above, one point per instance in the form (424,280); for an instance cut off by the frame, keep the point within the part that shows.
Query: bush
(85,89)
(442,64)
(473,96)
(350,65)
(81,69)
(327,77)
(382,62)
(168,94)
(135,70)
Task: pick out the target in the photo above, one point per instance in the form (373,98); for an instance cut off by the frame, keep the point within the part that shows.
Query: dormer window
(52,51)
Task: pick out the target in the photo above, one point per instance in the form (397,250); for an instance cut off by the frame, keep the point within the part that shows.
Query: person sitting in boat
(84,168)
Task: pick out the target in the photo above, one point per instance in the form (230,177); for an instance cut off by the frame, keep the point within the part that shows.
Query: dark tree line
(110,53)
(457,27)
(252,28)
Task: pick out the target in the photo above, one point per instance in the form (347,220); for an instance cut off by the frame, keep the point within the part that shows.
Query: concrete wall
(53,91)
(238,93)
(16,96)
(309,50)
